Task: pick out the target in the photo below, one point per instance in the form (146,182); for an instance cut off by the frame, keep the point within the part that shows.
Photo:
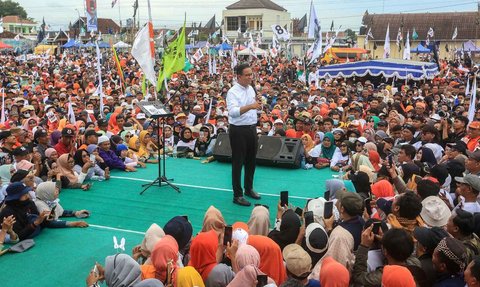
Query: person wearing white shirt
(468,189)
(242,116)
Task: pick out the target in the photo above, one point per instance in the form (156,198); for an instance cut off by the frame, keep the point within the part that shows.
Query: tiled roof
(256,4)
(17,20)
(444,24)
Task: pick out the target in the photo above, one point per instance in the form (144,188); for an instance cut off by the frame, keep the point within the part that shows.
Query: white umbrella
(246,52)
(122,44)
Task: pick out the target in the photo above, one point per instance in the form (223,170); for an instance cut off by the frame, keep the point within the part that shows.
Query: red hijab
(164,252)
(271,260)
(203,253)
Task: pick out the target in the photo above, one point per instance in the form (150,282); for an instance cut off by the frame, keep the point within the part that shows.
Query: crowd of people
(406,204)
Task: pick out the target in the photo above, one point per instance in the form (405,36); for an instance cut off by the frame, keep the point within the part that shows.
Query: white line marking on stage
(116,229)
(206,187)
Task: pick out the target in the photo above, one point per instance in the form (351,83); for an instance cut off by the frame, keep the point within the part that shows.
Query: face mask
(26,115)
(352,139)
(335,122)
(81,129)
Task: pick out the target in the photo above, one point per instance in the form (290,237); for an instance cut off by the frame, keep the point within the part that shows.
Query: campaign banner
(91,7)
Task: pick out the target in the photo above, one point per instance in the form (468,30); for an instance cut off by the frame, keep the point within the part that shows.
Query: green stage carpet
(64,257)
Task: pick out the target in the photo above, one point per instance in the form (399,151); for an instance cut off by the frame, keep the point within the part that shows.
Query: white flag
(314,22)
(71,114)
(431,33)
(234,59)
(473,99)
(275,48)
(455,34)
(369,35)
(225,40)
(386,45)
(210,67)
(214,65)
(280,32)
(190,35)
(1,25)
(17,37)
(316,47)
(142,53)
(406,50)
(100,84)
(198,55)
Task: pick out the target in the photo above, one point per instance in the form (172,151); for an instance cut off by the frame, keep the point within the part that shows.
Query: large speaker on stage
(280,151)
(222,151)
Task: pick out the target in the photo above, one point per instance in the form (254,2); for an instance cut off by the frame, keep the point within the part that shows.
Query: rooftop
(255,4)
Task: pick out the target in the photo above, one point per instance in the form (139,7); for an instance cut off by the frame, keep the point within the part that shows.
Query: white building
(253,16)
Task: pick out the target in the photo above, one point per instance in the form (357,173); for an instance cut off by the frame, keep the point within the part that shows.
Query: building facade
(17,25)
(254,16)
(467,25)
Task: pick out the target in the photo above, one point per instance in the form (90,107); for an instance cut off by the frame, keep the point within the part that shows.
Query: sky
(170,14)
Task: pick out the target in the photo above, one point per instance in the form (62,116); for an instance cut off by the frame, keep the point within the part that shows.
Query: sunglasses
(343,145)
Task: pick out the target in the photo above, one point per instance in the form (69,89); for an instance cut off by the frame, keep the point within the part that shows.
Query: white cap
(102,139)
(141,116)
(278,121)
(362,140)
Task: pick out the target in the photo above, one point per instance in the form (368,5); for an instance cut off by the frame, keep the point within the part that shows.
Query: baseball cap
(297,260)
(5,134)
(474,125)
(20,151)
(68,132)
(362,140)
(40,133)
(383,135)
(474,155)
(352,202)
(278,121)
(435,212)
(16,190)
(397,276)
(429,237)
(470,179)
(91,132)
(459,146)
(141,116)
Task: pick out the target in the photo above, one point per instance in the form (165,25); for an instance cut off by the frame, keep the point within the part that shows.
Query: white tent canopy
(258,52)
(122,44)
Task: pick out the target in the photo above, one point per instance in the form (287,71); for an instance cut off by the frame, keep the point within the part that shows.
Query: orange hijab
(203,252)
(271,260)
(164,253)
(383,188)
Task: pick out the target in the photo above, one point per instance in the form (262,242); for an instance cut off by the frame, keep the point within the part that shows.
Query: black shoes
(253,194)
(241,201)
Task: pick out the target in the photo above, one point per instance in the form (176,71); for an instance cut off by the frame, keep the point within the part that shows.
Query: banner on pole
(92,23)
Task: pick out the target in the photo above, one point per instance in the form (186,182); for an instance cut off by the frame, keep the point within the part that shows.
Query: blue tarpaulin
(388,68)
(223,46)
(103,45)
(70,44)
(420,49)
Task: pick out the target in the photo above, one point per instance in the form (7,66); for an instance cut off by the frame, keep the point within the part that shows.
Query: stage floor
(64,257)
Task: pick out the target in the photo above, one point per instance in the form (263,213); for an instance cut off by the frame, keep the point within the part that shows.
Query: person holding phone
(242,106)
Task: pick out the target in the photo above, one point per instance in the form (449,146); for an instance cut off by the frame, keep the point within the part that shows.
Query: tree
(8,7)
(351,37)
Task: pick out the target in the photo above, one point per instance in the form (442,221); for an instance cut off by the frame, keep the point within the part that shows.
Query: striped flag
(455,34)
(119,67)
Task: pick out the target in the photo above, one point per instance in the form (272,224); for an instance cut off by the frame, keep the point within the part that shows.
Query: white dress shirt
(238,96)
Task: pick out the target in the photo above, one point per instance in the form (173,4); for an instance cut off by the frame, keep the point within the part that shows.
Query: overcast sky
(170,14)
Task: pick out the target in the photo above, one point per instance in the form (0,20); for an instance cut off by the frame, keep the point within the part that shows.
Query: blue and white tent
(420,49)
(388,68)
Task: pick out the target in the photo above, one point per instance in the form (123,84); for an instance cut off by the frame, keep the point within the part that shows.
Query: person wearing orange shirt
(472,139)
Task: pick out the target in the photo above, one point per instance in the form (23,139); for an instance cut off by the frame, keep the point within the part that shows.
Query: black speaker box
(280,151)
(222,151)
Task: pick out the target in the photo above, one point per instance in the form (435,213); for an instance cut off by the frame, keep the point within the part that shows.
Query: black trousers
(244,142)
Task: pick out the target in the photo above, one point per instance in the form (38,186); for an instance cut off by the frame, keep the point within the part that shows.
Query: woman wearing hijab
(120,271)
(82,160)
(47,200)
(341,160)
(361,182)
(147,148)
(333,274)
(288,230)
(333,186)
(203,144)
(180,229)
(5,176)
(29,124)
(186,142)
(203,253)
(308,143)
(144,250)
(164,259)
(246,264)
(271,259)
(425,156)
(213,220)
(65,164)
(323,153)
(383,188)
(259,222)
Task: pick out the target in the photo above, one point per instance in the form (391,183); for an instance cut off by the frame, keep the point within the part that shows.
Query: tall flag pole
(119,68)
(386,45)
(406,51)
(2,119)
(473,99)
(311,23)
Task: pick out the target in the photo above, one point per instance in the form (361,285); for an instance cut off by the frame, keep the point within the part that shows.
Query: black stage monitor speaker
(222,151)
(280,151)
